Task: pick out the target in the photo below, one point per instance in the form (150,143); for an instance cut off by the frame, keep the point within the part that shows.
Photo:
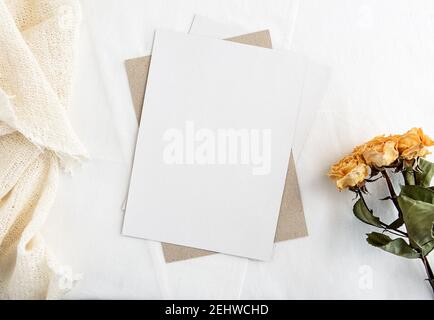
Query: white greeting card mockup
(213,147)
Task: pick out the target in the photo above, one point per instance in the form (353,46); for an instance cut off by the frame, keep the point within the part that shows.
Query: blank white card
(214,143)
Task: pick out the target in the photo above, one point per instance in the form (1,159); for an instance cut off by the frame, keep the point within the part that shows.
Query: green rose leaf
(365,215)
(397,223)
(418,193)
(419,220)
(409,177)
(424,177)
(396,246)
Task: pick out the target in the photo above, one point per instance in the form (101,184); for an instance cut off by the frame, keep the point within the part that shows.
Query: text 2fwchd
(217,309)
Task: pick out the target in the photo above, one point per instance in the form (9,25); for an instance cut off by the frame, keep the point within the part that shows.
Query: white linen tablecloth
(382,81)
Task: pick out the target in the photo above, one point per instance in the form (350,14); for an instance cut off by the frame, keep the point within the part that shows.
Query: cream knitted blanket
(37,41)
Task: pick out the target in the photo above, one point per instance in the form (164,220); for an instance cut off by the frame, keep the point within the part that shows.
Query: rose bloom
(349,172)
(412,144)
(379,152)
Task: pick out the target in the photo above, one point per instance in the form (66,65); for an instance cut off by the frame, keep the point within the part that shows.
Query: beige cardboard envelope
(291,222)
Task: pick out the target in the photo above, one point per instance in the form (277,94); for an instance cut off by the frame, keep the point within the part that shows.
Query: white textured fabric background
(380,53)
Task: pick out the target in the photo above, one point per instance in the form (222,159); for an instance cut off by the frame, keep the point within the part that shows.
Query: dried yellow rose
(412,144)
(379,152)
(349,172)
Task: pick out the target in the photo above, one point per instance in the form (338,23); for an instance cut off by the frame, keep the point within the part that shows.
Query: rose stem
(392,191)
(393,195)
(428,272)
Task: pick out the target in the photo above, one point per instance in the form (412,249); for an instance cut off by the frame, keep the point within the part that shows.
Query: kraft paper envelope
(291,221)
